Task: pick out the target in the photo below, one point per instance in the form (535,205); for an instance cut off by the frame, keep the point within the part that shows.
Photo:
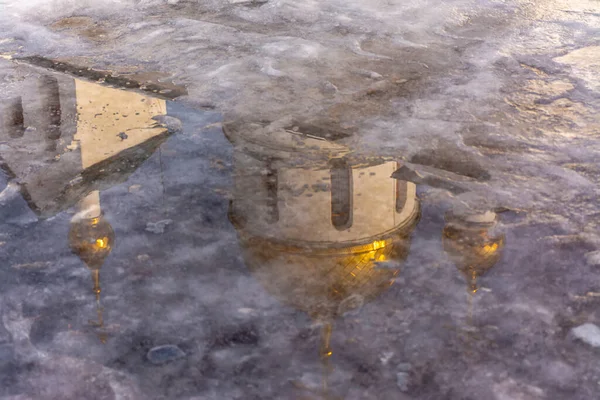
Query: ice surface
(490,107)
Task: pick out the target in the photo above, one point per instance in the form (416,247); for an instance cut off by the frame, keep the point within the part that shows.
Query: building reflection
(91,238)
(321,231)
(68,139)
(468,242)
(473,248)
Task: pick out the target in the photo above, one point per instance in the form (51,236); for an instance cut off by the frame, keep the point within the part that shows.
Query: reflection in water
(91,238)
(468,242)
(104,114)
(13,118)
(87,137)
(50,108)
(67,137)
(324,235)
(324,232)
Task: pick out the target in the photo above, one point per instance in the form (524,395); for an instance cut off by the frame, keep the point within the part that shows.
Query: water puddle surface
(154,250)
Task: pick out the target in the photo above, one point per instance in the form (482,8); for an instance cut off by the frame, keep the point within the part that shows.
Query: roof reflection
(66,137)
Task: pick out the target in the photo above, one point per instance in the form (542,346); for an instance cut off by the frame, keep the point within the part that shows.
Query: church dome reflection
(323,232)
(91,237)
(468,241)
(326,283)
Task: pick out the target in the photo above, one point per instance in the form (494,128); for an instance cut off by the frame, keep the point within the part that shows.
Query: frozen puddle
(321,208)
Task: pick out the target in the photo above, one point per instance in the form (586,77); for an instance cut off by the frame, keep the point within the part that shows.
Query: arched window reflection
(50,106)
(401,194)
(341,194)
(14,120)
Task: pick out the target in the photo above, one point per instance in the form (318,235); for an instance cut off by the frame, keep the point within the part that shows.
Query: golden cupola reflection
(321,231)
(91,238)
(468,242)
(326,282)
